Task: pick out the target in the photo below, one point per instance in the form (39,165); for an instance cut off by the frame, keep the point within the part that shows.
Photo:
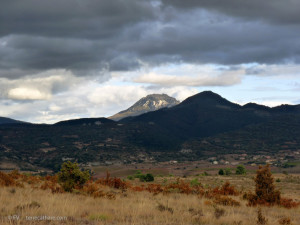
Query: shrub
(90,188)
(240,170)
(221,172)
(130,177)
(138,174)
(15,174)
(70,176)
(155,188)
(52,185)
(226,189)
(179,186)
(113,182)
(195,182)
(228,171)
(288,203)
(146,178)
(142,177)
(149,177)
(227,201)
(6,180)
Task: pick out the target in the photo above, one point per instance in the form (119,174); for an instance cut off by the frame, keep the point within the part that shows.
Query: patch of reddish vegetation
(226,189)
(113,182)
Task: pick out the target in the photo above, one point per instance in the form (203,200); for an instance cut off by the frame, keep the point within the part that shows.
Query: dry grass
(165,202)
(129,208)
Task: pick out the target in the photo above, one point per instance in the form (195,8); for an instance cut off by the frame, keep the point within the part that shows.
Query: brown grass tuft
(261,220)
(285,221)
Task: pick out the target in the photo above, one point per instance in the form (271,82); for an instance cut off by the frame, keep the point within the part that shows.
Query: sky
(65,59)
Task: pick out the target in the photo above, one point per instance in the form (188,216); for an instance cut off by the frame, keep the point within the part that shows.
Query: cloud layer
(91,36)
(70,58)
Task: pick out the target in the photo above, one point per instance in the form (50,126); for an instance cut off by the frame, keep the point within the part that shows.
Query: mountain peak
(207,98)
(149,103)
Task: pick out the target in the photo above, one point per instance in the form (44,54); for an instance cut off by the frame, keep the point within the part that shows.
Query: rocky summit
(147,104)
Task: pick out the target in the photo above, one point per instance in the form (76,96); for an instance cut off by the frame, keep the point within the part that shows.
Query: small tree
(240,170)
(71,176)
(265,193)
(264,186)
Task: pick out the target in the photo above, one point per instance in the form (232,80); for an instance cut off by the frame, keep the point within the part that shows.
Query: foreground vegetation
(27,199)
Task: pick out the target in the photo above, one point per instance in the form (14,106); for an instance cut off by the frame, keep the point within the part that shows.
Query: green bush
(149,177)
(130,177)
(240,170)
(70,176)
(228,171)
(146,178)
(138,174)
(195,182)
(221,172)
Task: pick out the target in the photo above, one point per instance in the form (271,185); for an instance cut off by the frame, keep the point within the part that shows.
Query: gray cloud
(91,38)
(71,18)
(226,79)
(275,11)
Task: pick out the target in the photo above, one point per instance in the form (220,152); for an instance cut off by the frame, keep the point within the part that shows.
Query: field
(195,199)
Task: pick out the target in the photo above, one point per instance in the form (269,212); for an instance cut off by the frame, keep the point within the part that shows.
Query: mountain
(147,104)
(201,115)
(4,120)
(204,124)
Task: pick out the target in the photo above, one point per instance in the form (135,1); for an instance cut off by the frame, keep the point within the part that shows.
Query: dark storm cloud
(71,18)
(276,11)
(77,35)
(88,37)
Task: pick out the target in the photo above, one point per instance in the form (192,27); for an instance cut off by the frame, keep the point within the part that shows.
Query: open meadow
(169,199)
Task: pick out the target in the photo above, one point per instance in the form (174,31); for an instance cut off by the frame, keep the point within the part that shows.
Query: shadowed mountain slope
(4,120)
